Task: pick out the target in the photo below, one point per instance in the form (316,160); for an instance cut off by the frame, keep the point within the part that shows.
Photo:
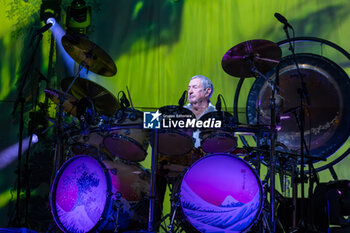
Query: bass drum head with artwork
(220,193)
(327,119)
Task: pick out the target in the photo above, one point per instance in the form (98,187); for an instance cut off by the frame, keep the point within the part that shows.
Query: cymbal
(103,100)
(82,50)
(239,60)
(69,104)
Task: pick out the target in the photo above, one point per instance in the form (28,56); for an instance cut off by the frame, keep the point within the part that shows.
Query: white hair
(206,83)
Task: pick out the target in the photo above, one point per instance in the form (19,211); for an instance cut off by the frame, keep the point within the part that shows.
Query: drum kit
(101,186)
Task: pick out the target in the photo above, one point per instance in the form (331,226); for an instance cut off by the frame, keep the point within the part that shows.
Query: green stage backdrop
(157,45)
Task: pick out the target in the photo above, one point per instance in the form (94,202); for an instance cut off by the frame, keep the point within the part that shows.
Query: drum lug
(118,195)
(127,131)
(114,171)
(85,138)
(145,143)
(109,194)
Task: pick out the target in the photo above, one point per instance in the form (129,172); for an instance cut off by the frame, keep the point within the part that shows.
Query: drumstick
(127,89)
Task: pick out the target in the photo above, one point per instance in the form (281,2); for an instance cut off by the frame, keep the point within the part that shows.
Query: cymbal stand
(59,148)
(273,139)
(153,181)
(20,101)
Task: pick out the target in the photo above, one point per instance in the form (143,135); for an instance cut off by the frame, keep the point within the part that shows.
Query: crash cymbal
(83,50)
(239,60)
(103,100)
(69,104)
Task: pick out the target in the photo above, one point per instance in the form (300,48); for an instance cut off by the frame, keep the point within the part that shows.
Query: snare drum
(175,141)
(86,194)
(128,143)
(219,193)
(214,140)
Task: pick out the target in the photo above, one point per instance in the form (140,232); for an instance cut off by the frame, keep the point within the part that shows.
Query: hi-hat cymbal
(103,100)
(69,104)
(261,54)
(83,51)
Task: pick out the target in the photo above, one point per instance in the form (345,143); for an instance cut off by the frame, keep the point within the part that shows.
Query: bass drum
(219,193)
(86,194)
(327,119)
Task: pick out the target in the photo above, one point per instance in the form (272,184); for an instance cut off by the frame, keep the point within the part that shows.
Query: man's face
(196,92)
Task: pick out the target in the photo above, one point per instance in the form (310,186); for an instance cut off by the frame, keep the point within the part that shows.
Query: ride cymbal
(240,60)
(103,100)
(85,52)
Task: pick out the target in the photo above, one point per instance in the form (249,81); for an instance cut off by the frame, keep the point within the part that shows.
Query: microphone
(218,104)
(282,19)
(43,29)
(182,99)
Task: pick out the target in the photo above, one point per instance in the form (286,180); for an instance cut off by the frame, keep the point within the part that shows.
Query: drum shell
(218,140)
(175,141)
(173,166)
(127,143)
(107,179)
(236,212)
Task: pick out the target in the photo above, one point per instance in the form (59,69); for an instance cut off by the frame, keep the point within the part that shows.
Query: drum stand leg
(153,181)
(117,206)
(171,225)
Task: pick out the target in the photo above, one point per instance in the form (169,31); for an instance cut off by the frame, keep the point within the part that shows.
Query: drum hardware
(253,58)
(153,193)
(132,105)
(103,100)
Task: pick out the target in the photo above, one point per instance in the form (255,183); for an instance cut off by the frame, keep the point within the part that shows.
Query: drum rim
(128,139)
(261,204)
(108,203)
(219,135)
(179,132)
(161,109)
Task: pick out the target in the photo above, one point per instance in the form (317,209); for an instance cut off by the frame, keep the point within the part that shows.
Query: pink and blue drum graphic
(221,193)
(85,192)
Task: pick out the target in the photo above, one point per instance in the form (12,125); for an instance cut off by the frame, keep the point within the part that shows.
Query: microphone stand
(302,91)
(20,101)
(273,139)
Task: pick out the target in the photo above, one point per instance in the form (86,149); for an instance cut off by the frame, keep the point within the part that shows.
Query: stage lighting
(10,154)
(51,20)
(50,8)
(78,19)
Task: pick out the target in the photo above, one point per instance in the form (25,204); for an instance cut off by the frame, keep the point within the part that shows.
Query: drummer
(200,89)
